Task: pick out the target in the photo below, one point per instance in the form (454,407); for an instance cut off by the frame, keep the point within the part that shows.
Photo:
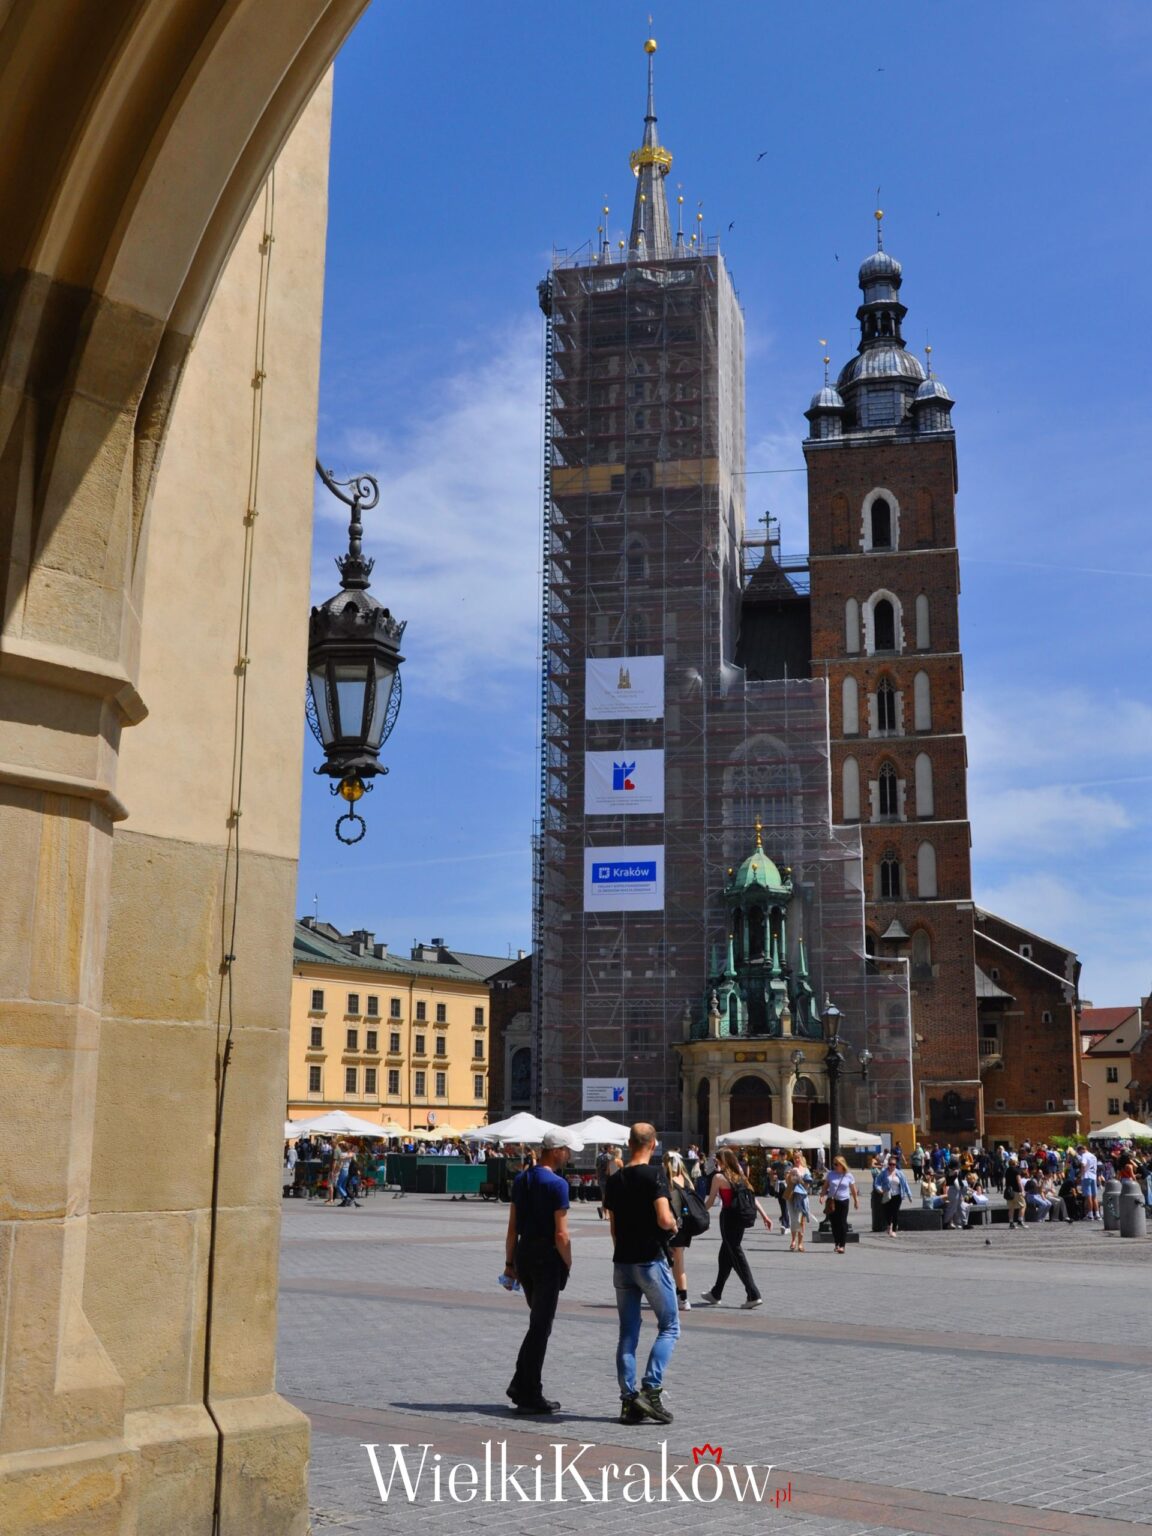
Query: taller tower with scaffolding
(661,756)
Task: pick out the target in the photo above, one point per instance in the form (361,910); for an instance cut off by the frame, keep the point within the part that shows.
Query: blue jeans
(655,1282)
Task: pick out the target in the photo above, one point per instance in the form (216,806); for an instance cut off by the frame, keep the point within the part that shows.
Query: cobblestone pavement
(892,1390)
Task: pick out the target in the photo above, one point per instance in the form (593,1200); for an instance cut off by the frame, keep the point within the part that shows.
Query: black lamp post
(353,664)
(833,1061)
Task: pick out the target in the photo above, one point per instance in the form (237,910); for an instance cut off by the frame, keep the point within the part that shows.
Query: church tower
(885,583)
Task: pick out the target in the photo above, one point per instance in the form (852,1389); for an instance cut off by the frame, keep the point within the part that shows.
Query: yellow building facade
(386,1038)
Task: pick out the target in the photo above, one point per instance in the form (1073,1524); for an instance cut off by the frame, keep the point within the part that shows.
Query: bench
(912,1219)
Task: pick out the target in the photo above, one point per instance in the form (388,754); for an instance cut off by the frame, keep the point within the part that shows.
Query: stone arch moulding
(869,616)
(867,540)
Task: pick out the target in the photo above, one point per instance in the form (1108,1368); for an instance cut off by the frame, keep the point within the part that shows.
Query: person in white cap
(538,1253)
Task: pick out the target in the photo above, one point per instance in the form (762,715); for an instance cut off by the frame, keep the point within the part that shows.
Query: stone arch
(926,887)
(925,792)
(876,619)
(922,702)
(749,1101)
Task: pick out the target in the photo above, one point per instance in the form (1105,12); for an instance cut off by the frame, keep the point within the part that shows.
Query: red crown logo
(706,1452)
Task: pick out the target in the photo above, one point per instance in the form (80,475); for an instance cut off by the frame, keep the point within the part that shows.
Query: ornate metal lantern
(353,664)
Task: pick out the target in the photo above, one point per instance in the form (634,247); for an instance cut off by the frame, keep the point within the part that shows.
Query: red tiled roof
(1100,1021)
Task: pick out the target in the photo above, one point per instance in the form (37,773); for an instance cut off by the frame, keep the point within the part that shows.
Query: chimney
(521,954)
(307,922)
(437,943)
(380,951)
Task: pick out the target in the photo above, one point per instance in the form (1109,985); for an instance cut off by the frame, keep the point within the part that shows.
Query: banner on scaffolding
(624,688)
(607,1093)
(624,783)
(624,879)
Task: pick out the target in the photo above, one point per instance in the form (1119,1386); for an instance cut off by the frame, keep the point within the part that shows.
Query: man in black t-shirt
(639,1208)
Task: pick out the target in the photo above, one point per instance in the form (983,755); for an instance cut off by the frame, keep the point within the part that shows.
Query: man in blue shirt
(538,1251)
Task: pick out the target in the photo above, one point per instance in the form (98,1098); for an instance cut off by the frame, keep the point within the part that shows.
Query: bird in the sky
(761,155)
(732,225)
(836,255)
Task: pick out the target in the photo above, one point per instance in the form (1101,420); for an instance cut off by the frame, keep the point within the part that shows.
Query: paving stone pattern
(394,1310)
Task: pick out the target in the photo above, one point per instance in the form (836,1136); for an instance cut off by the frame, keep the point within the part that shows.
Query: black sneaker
(629,1412)
(650,1403)
(537,1405)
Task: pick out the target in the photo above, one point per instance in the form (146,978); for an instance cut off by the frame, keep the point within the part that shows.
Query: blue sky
(1010,147)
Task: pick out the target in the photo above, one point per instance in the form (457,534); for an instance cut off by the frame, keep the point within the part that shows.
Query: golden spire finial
(827,358)
(879,217)
(759,829)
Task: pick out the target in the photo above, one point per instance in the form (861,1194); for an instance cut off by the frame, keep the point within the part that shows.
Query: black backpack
(694,1217)
(744,1204)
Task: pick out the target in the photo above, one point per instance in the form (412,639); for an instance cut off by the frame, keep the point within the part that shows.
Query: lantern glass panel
(318,682)
(385,678)
(350,684)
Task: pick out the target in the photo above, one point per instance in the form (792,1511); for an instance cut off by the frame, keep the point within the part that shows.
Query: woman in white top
(839,1187)
(798,1183)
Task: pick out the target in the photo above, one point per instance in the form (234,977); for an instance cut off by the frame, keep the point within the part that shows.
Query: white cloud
(457,536)
(1089,734)
(1037,820)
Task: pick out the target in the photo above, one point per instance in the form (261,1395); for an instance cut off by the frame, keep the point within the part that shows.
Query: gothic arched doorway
(750,1103)
(807,1109)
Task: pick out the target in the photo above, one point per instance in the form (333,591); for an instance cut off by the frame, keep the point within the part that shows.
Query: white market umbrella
(599,1132)
(1122,1130)
(821,1136)
(519,1127)
(766,1135)
(334,1123)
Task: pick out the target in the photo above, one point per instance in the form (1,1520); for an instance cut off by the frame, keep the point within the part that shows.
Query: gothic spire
(651,235)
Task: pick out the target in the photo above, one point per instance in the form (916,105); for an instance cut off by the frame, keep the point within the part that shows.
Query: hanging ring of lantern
(352,818)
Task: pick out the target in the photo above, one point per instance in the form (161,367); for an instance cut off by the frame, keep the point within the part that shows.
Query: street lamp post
(833,1061)
(353,664)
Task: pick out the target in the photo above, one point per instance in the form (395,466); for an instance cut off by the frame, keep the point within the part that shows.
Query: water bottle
(508,1282)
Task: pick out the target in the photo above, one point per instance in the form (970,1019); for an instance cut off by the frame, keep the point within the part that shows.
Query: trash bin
(1112,1205)
(1132,1218)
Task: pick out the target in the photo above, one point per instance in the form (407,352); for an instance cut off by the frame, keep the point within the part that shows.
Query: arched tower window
(925,798)
(881,524)
(852,626)
(925,871)
(888,799)
(923,629)
(922,702)
(884,625)
(921,955)
(850,699)
(891,885)
(885,707)
(851,789)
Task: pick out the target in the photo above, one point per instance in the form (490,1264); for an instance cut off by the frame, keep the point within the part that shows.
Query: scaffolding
(644,554)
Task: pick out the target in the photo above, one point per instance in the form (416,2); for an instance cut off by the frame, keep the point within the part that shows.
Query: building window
(393,1079)
(313,1079)
(851,626)
(881,524)
(478,1049)
(419,1048)
(374,1007)
(370,1080)
(922,702)
(371,1040)
(441,1085)
(888,800)
(1113,1106)
(850,706)
(890,878)
(923,629)
(420,1090)
(353,1043)
(393,1007)
(925,795)
(441,1013)
(850,775)
(317,1037)
(441,1045)
(921,954)
(350,1079)
(478,1086)
(1026,951)
(886,707)
(394,1042)
(353,1002)
(926,872)
(317,1000)
(478,1018)
(884,626)
(1113,1074)
(1046,1018)
(421,1011)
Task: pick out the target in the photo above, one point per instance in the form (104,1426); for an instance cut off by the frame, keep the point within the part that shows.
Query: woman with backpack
(692,1218)
(739,1208)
